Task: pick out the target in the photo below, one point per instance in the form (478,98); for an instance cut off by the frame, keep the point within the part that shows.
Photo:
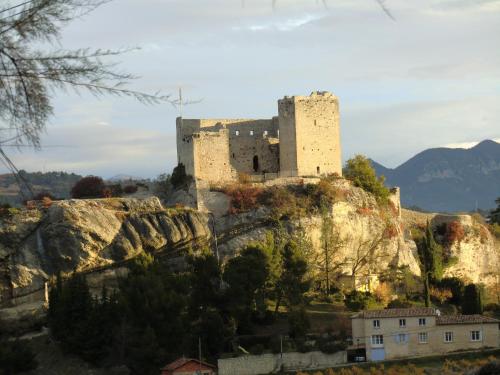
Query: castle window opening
(237,132)
(317,170)
(315,123)
(265,133)
(233,155)
(251,132)
(256,163)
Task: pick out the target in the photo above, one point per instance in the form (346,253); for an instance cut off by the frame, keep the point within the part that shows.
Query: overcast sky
(430,78)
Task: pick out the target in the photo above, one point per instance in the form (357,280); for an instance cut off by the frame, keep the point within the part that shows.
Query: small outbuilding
(189,366)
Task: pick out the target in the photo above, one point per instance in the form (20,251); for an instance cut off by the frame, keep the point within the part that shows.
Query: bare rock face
(98,237)
(475,255)
(86,235)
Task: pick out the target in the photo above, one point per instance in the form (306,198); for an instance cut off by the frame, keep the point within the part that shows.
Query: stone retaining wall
(272,363)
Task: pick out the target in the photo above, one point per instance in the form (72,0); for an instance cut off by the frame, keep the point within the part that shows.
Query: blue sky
(431,78)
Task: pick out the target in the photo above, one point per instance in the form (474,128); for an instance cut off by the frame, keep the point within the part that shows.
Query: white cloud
(467,144)
(432,78)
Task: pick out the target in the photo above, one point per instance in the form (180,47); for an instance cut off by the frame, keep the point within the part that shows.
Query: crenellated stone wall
(304,140)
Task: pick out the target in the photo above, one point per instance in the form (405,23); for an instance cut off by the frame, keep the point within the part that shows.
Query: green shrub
(399,304)
(298,322)
(492,368)
(456,286)
(16,357)
(6,211)
(356,300)
(179,178)
(329,345)
(360,171)
(495,230)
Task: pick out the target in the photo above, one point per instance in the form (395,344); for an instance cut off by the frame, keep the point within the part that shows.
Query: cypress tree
(472,301)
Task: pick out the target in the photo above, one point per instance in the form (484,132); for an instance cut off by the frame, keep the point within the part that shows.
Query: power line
(16,6)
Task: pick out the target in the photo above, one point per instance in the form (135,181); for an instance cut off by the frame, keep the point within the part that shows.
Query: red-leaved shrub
(243,197)
(454,232)
(130,189)
(88,187)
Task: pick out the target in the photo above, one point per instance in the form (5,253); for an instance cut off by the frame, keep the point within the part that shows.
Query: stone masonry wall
(304,140)
(318,134)
(217,150)
(271,363)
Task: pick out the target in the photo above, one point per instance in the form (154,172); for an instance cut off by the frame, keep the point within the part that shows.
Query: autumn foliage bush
(383,293)
(130,189)
(243,197)
(89,187)
(455,232)
(390,231)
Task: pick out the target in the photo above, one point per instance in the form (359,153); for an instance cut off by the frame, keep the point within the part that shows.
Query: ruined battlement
(303,140)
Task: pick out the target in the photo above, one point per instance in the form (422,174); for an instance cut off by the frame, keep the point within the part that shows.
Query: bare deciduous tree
(367,252)
(28,76)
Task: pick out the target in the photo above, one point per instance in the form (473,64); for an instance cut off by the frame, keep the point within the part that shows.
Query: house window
(475,335)
(237,132)
(448,337)
(376,323)
(251,132)
(402,323)
(421,322)
(377,340)
(422,337)
(402,338)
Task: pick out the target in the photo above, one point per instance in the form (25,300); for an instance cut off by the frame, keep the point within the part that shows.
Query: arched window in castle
(237,132)
(251,132)
(256,163)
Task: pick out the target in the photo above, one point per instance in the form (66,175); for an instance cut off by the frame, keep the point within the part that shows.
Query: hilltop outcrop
(98,237)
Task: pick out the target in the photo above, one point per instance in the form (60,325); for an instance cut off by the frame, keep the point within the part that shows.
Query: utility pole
(199,353)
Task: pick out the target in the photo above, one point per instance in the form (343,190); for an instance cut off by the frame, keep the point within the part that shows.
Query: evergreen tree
(153,302)
(431,258)
(204,283)
(472,301)
(495,214)
(294,277)
(246,276)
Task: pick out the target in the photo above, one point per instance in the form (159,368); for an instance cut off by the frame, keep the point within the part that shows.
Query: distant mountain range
(447,179)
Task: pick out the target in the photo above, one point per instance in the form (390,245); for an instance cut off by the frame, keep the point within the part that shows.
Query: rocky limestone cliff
(100,236)
(87,236)
(476,255)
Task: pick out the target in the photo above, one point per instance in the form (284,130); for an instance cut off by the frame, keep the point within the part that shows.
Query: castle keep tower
(304,140)
(309,135)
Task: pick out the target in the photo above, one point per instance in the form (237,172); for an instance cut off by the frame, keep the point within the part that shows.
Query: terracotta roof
(464,319)
(182,361)
(396,313)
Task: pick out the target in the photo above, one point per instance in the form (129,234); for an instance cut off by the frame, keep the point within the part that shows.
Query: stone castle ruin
(302,141)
